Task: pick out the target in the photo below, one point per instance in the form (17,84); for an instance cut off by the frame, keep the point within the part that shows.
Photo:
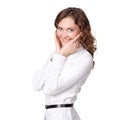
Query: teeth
(66,40)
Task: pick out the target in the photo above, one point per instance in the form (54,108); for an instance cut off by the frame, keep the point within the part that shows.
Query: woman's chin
(63,44)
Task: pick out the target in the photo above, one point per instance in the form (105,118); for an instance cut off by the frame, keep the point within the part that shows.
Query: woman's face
(67,30)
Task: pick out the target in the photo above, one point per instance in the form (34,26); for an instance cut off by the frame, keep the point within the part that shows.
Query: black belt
(58,106)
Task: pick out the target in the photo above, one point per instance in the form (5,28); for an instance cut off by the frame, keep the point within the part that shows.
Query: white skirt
(61,114)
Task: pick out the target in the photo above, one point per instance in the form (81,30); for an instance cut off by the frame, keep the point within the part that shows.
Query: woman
(69,66)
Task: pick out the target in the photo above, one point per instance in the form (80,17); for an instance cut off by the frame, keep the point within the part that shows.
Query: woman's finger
(76,38)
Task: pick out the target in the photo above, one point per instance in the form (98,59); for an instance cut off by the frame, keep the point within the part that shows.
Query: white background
(27,39)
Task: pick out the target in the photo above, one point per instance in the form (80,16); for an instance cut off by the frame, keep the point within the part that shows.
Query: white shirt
(62,77)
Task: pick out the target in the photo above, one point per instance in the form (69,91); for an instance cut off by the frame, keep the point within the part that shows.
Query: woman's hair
(87,40)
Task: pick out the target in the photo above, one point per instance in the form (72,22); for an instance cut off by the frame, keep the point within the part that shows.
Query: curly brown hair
(87,40)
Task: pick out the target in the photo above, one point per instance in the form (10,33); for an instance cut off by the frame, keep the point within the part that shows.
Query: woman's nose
(64,34)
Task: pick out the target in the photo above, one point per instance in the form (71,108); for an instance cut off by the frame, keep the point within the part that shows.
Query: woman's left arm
(60,79)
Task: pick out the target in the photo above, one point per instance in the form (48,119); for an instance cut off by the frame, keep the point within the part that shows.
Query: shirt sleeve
(40,76)
(59,80)
(38,80)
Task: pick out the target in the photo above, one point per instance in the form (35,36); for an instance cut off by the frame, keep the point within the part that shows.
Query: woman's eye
(70,30)
(59,29)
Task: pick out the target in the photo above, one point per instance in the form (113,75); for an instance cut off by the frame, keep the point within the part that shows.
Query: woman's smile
(67,30)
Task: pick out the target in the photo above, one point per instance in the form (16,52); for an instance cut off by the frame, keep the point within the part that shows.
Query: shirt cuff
(58,61)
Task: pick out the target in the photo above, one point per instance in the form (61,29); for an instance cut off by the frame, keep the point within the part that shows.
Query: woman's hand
(71,47)
(58,44)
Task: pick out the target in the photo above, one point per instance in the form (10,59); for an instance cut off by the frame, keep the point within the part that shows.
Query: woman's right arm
(39,78)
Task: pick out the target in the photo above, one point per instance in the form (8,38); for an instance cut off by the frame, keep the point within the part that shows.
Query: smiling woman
(67,30)
(68,67)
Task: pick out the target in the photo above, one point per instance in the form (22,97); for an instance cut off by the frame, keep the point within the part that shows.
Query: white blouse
(62,77)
